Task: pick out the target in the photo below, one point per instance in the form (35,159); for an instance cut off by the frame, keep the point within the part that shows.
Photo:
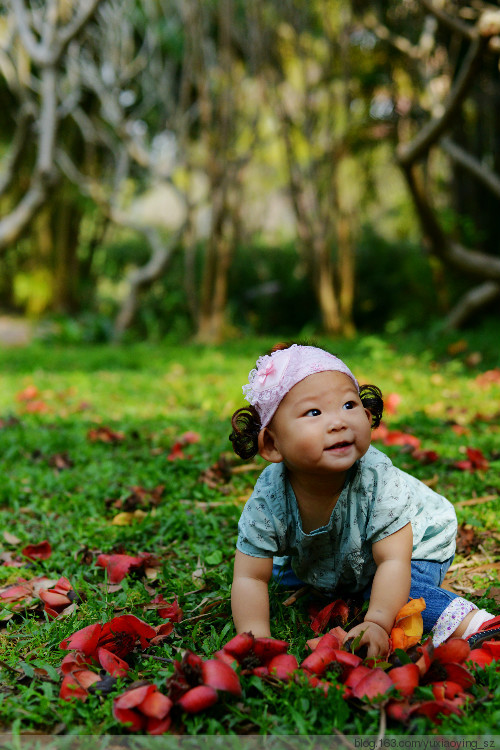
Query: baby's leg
(446,614)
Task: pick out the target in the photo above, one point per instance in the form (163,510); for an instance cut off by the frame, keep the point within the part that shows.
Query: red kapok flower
(76,684)
(121,634)
(144,707)
(57,598)
(118,566)
(40,551)
(118,636)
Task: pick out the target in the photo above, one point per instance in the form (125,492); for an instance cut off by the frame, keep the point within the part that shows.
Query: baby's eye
(349,405)
(313,413)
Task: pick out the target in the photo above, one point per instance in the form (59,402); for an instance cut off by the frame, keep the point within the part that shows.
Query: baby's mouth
(339,446)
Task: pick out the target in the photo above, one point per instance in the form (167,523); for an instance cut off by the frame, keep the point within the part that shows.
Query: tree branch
(468,261)
(386,35)
(452,22)
(13,224)
(480,171)
(49,51)
(471,302)
(431,132)
(12,159)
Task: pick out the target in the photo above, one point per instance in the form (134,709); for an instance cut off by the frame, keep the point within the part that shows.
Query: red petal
(220,676)
(158,726)
(459,674)
(156,705)
(347,659)
(240,645)
(357,675)
(443,690)
(85,677)
(127,624)
(455,650)
(395,437)
(432,709)
(172,611)
(477,459)
(373,685)
(398,710)
(265,648)
(71,689)
(54,599)
(283,666)
(15,593)
(73,660)
(338,608)
(427,651)
(405,678)
(318,661)
(480,657)
(492,647)
(84,640)
(62,586)
(40,551)
(126,716)
(197,699)
(118,565)
(134,697)
(115,666)
(226,657)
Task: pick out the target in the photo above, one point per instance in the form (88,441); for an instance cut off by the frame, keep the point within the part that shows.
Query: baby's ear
(267,446)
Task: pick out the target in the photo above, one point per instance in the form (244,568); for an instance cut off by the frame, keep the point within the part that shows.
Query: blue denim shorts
(426,579)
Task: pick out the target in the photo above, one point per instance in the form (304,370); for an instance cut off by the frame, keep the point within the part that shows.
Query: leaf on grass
(139,498)
(127,519)
(60,461)
(214,558)
(198,573)
(11,538)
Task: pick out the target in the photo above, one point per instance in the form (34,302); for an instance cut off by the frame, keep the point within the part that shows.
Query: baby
(336,507)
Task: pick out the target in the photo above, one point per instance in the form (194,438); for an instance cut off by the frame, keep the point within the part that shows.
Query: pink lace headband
(277,373)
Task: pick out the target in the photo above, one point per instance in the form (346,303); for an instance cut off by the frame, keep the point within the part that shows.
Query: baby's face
(321,426)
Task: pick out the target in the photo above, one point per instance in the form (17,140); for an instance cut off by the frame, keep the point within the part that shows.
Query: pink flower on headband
(270,372)
(277,373)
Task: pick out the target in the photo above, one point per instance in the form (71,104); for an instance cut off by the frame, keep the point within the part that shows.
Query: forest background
(178,168)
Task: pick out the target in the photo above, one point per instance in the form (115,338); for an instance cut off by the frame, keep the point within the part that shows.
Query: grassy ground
(60,485)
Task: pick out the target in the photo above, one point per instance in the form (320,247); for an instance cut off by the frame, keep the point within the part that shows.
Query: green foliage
(153,394)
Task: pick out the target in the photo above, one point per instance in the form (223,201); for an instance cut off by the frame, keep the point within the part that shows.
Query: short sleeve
(257,535)
(391,506)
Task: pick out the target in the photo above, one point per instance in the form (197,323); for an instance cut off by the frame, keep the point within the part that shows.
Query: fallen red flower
(170,611)
(76,684)
(40,551)
(475,461)
(58,598)
(144,708)
(119,636)
(118,566)
(334,612)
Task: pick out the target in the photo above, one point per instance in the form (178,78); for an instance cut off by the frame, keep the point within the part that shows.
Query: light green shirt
(377,500)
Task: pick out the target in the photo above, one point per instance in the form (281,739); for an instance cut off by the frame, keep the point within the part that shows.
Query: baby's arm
(390,590)
(249,594)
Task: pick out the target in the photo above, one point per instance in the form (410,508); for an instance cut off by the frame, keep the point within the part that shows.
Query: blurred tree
(33,55)
(447,94)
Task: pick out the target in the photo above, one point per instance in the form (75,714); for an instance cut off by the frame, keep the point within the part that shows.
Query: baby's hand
(374,636)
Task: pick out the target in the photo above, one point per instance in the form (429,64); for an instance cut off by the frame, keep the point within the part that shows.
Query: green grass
(153,394)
